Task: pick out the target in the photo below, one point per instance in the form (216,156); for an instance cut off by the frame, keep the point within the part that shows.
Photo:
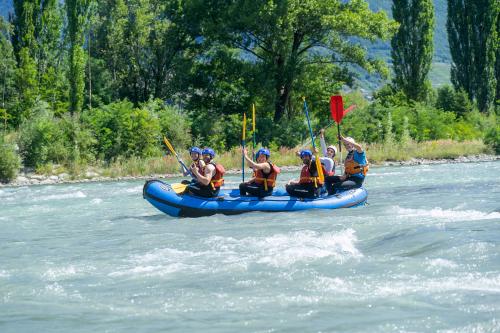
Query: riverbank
(31,178)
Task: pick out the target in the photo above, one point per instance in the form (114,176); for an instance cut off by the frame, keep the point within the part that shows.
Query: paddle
(172,150)
(321,176)
(253,130)
(178,188)
(243,145)
(337,111)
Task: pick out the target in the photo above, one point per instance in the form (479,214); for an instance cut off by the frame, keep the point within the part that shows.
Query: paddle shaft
(171,148)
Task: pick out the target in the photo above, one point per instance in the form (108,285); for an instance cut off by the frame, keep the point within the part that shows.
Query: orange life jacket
(352,168)
(217,180)
(307,178)
(268,180)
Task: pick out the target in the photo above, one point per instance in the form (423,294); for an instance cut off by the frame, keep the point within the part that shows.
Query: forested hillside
(441,52)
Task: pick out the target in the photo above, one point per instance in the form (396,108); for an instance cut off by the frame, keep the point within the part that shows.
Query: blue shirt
(361,159)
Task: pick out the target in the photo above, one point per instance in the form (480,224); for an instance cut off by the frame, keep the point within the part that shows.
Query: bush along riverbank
(409,153)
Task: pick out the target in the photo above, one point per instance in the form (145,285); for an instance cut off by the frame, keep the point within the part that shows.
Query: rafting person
(329,153)
(355,166)
(309,184)
(210,179)
(264,176)
(195,154)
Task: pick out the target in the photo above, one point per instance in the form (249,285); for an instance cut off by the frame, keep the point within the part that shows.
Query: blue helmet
(208,151)
(262,151)
(305,152)
(195,150)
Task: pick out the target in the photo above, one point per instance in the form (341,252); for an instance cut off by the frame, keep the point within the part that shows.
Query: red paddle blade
(337,108)
(349,109)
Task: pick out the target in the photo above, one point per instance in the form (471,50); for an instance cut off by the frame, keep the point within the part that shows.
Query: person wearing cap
(264,176)
(309,184)
(328,159)
(355,166)
(210,179)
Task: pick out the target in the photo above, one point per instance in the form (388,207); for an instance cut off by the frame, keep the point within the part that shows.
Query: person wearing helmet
(355,166)
(264,175)
(195,154)
(210,179)
(309,185)
(328,159)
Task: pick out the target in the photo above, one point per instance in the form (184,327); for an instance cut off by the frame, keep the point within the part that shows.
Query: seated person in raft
(195,154)
(209,181)
(309,185)
(264,175)
(355,168)
(328,159)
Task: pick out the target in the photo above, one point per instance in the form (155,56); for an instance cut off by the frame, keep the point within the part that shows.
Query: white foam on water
(441,263)
(160,262)
(61,273)
(414,284)
(4,273)
(55,289)
(96,201)
(283,250)
(336,284)
(163,255)
(491,326)
(151,270)
(63,196)
(446,214)
(136,189)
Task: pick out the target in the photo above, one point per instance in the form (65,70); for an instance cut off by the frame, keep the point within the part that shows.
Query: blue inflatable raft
(229,201)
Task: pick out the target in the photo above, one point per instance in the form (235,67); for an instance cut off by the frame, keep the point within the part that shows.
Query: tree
(77,16)
(7,70)
(472,33)
(37,27)
(413,46)
(284,38)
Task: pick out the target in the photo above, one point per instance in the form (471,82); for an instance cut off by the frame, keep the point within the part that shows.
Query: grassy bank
(377,154)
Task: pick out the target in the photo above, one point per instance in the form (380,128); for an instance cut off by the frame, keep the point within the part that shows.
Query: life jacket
(307,178)
(268,180)
(353,168)
(217,180)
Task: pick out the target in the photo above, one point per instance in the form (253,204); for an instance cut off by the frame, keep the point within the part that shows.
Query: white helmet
(333,148)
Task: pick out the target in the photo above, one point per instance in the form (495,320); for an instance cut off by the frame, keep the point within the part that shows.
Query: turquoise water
(423,256)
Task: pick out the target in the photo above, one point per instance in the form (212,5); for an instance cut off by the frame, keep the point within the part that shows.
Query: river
(422,256)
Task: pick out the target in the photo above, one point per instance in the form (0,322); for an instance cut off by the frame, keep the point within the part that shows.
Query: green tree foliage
(7,70)
(413,46)
(123,130)
(455,101)
(77,12)
(492,138)
(472,33)
(9,162)
(143,46)
(283,38)
(42,139)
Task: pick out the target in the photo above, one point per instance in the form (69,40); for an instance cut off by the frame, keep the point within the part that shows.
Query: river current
(422,256)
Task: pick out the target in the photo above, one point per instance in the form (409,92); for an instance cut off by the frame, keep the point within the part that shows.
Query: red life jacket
(217,180)
(268,180)
(307,178)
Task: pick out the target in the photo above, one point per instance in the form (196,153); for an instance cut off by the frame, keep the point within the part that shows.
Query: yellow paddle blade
(178,187)
(244,126)
(253,118)
(169,145)
(321,176)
